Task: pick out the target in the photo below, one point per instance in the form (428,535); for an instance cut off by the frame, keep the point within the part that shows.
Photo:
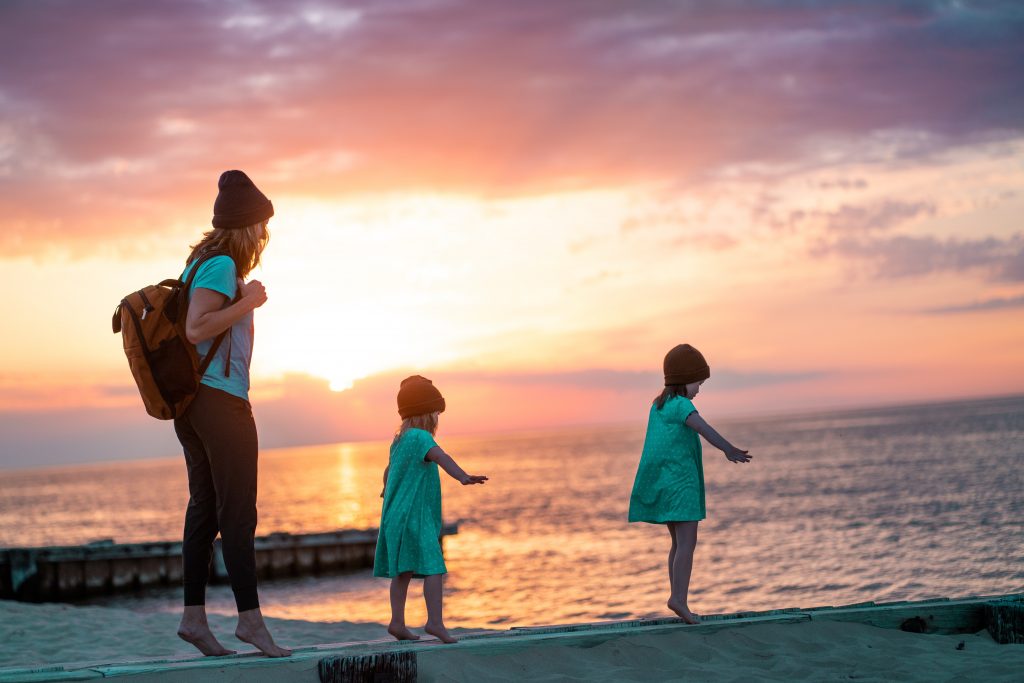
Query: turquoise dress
(669,485)
(410,522)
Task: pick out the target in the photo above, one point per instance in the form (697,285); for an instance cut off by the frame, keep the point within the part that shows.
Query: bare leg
(253,630)
(195,629)
(399,591)
(682,566)
(671,556)
(432,593)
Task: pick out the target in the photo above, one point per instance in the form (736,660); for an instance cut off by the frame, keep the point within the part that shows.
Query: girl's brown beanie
(684,365)
(417,395)
(239,202)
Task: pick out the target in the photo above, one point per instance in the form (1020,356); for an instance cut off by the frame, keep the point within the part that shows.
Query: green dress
(669,485)
(410,521)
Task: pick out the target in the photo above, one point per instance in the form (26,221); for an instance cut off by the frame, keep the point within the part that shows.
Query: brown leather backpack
(166,366)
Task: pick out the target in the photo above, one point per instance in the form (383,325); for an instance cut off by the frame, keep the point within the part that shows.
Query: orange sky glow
(530,212)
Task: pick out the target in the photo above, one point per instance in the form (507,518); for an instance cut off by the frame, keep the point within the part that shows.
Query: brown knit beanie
(239,202)
(684,365)
(418,396)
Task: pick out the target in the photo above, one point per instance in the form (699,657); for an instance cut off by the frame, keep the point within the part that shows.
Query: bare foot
(440,632)
(197,632)
(683,612)
(252,629)
(401,632)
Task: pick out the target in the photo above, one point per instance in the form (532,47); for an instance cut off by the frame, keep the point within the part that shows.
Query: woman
(217,431)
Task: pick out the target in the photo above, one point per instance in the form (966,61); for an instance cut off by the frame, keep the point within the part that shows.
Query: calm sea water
(885,504)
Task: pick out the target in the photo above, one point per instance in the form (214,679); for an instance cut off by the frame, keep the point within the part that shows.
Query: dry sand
(33,635)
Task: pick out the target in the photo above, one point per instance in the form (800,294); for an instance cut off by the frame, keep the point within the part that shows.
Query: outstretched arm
(445,462)
(697,423)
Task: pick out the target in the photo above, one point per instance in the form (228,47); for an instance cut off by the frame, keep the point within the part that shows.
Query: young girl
(410,523)
(669,486)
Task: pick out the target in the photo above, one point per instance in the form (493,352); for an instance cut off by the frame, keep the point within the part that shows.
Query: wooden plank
(50,677)
(1005,621)
(385,667)
(961,616)
(47,673)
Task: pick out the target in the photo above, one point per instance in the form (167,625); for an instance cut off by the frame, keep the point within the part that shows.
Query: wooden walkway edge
(390,660)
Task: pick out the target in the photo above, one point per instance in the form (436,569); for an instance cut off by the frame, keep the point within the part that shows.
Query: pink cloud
(116,114)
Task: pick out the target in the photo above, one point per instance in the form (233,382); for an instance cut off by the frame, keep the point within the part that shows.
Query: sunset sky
(528,202)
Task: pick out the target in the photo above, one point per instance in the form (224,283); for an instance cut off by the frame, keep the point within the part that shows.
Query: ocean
(894,503)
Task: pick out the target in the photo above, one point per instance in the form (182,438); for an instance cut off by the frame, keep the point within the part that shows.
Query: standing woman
(217,431)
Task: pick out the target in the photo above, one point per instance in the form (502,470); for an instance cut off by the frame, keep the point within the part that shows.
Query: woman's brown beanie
(418,396)
(684,365)
(239,202)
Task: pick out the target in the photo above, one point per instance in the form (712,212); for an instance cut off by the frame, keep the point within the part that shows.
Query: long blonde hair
(244,245)
(427,423)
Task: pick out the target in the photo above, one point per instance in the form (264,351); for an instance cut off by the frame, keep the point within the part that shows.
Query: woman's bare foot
(683,612)
(440,632)
(252,629)
(195,630)
(401,632)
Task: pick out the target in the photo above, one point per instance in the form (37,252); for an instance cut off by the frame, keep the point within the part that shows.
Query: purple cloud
(912,256)
(996,304)
(848,219)
(114,113)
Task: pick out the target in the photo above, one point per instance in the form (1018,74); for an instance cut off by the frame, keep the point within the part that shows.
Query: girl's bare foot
(683,612)
(252,629)
(440,632)
(401,632)
(195,630)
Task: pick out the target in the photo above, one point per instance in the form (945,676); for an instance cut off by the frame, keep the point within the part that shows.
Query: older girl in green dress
(669,485)
(408,544)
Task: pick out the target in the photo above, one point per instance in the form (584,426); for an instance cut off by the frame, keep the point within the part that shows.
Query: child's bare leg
(195,629)
(432,593)
(682,566)
(399,591)
(671,555)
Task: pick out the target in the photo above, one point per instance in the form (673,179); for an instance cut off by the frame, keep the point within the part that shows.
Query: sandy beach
(47,634)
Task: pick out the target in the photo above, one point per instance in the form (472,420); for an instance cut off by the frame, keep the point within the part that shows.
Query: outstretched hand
(473,479)
(736,455)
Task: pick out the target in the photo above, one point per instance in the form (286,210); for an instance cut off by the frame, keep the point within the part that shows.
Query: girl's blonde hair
(244,245)
(427,423)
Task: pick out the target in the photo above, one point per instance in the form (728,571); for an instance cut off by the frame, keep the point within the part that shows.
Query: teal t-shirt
(219,275)
(669,485)
(410,521)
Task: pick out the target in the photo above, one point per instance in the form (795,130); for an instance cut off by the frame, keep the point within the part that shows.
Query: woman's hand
(736,455)
(470,479)
(254,293)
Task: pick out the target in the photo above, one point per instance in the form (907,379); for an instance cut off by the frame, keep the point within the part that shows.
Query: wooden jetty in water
(69,572)
(402,662)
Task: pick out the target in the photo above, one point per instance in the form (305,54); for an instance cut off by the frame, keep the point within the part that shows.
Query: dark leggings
(219,437)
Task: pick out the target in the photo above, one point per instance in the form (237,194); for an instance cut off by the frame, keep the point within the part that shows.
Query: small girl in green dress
(669,485)
(408,544)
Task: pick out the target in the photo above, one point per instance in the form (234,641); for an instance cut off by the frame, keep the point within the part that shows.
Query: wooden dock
(408,661)
(69,572)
